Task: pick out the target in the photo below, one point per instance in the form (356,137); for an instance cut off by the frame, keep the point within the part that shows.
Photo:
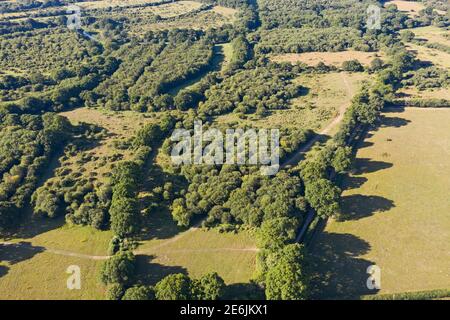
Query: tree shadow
(352,182)
(33,226)
(358,206)
(366,165)
(15,253)
(243,291)
(336,270)
(149,273)
(158,222)
(394,122)
(3,271)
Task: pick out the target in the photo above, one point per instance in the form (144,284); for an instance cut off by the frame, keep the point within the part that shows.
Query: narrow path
(296,157)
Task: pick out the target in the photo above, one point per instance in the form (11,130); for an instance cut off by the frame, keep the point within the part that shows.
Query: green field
(395,211)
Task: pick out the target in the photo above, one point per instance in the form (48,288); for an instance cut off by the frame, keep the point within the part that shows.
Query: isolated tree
(174,287)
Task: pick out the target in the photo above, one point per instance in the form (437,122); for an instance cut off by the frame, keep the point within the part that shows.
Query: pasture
(328,58)
(395,211)
(412,8)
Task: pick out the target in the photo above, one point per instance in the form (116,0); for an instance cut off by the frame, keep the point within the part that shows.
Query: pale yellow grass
(432,34)
(200,251)
(436,57)
(411,7)
(397,210)
(37,275)
(413,93)
(329,58)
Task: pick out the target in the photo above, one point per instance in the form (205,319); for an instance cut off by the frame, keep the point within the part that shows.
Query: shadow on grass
(243,291)
(395,122)
(15,253)
(150,273)
(352,182)
(358,206)
(366,165)
(3,271)
(336,270)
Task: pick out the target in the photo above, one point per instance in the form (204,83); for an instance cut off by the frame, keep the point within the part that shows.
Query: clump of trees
(119,273)
(27,143)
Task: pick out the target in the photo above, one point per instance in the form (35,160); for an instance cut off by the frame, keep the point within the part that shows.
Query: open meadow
(395,211)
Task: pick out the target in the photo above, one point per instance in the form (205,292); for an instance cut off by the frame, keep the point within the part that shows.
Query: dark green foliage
(119,269)
(26,145)
(352,66)
(265,88)
(174,287)
(276,233)
(139,293)
(209,287)
(286,278)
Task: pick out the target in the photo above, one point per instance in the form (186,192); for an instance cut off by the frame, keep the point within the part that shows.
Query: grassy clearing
(199,251)
(170,10)
(30,274)
(325,95)
(413,93)
(433,56)
(432,34)
(111,3)
(411,7)
(396,209)
(329,58)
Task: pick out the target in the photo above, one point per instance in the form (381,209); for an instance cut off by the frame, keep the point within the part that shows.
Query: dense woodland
(46,68)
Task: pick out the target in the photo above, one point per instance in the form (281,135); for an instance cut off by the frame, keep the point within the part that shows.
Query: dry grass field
(432,34)
(410,7)
(436,57)
(329,58)
(395,211)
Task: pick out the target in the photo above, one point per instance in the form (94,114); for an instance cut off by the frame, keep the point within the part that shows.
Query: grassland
(328,58)
(412,8)
(433,56)
(395,211)
(322,99)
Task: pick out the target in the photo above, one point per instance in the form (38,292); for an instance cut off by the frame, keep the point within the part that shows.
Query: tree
(352,66)
(124,216)
(208,287)
(342,159)
(376,64)
(115,291)
(286,279)
(323,196)
(120,269)
(139,293)
(277,232)
(174,287)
